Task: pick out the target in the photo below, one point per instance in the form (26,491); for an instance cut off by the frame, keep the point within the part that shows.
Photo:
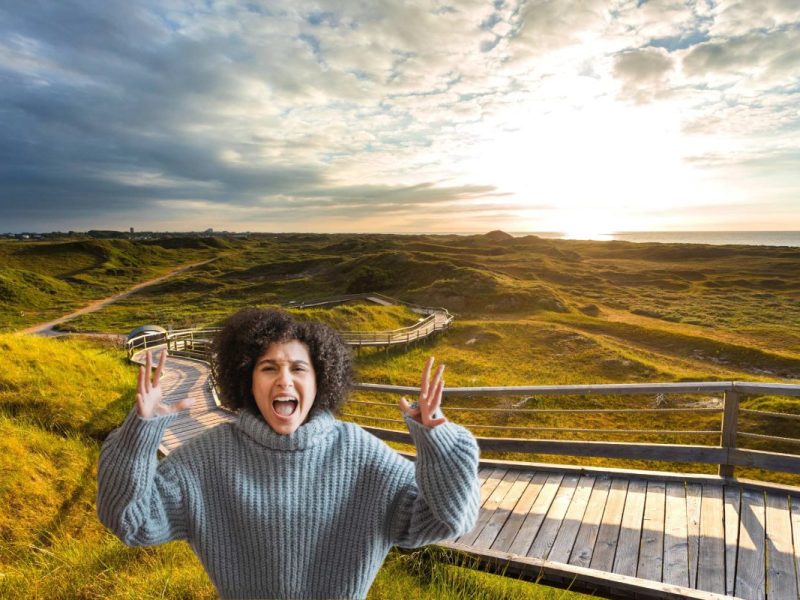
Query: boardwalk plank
(519,513)
(651,549)
(694,504)
(565,539)
(502,512)
(711,566)
(676,536)
(605,547)
(733,503)
(533,520)
(587,535)
(750,568)
(781,574)
(490,504)
(483,473)
(794,502)
(494,479)
(555,517)
(627,557)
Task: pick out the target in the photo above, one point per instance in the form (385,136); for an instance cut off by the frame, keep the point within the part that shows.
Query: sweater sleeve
(140,498)
(442,501)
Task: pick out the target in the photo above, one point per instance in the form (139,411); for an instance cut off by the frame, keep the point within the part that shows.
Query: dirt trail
(47,328)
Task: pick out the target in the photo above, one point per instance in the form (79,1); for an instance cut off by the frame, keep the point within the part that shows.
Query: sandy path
(47,328)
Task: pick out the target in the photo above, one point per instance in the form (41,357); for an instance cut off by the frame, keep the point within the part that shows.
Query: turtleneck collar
(320,425)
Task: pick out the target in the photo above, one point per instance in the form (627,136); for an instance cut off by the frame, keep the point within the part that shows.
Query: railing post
(730,417)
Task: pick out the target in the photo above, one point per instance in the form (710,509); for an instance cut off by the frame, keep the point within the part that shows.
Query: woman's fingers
(140,382)
(168,409)
(436,400)
(426,375)
(437,379)
(434,389)
(429,416)
(160,367)
(407,408)
(148,368)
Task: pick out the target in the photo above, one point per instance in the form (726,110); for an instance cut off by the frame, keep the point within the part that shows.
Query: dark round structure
(144,329)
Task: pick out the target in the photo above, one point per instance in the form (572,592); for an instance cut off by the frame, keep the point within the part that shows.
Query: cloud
(766,58)
(643,73)
(735,18)
(383,108)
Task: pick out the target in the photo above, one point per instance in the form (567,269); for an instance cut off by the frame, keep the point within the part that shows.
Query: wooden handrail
(727,455)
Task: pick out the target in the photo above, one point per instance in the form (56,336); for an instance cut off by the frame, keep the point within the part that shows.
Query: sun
(587,233)
(587,224)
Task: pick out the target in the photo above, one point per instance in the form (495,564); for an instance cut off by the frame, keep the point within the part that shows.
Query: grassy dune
(748,293)
(43,280)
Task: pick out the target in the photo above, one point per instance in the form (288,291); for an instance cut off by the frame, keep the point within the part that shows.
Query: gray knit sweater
(311,514)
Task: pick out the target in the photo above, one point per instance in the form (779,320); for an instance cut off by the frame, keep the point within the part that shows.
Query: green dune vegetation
(43,280)
(528,311)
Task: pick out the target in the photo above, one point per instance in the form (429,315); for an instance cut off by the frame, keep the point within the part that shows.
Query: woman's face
(285,385)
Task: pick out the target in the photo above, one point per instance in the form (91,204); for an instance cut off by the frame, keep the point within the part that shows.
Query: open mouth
(284,407)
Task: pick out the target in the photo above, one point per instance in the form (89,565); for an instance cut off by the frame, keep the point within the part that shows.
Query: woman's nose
(284,378)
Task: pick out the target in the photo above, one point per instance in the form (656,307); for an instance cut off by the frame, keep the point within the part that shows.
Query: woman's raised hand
(149,402)
(430,398)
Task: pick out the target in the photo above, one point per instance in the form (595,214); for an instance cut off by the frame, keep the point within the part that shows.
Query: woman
(288,501)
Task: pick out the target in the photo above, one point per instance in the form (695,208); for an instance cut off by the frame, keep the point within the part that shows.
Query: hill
(43,280)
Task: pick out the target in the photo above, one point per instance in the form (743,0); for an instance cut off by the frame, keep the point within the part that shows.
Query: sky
(585,116)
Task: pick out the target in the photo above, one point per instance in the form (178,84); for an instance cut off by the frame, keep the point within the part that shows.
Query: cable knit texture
(311,514)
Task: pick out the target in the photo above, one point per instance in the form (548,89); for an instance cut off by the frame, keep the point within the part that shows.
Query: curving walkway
(182,378)
(435,320)
(46,328)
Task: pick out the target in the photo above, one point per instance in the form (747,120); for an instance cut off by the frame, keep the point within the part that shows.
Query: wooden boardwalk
(623,533)
(436,320)
(183,378)
(692,532)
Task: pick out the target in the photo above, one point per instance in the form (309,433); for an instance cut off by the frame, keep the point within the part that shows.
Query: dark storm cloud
(105,115)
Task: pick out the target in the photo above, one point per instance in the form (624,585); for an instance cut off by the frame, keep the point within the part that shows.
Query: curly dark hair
(247,334)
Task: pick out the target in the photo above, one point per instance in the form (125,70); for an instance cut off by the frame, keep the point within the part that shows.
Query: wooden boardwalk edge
(576,578)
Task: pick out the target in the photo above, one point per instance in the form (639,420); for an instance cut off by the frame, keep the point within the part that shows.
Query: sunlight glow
(628,160)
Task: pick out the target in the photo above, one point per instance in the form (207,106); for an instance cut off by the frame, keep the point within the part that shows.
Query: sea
(748,238)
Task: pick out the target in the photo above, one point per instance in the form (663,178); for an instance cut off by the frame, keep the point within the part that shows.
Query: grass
(67,386)
(434,573)
(42,280)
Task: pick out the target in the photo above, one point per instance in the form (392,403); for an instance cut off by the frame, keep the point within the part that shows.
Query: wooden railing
(437,319)
(189,343)
(727,453)
(195,343)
